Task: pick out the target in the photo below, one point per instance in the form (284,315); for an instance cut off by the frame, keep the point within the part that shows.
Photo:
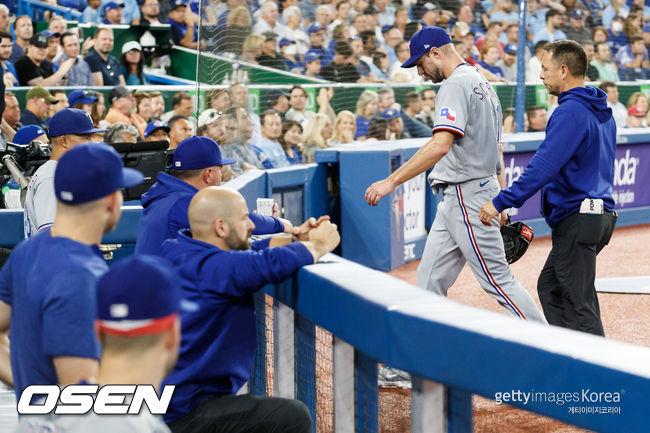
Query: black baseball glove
(516,238)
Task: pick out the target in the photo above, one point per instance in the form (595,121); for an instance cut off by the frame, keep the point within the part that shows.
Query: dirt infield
(625,318)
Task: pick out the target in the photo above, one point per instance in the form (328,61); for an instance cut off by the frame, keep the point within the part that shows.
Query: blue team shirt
(49,282)
(218,331)
(164,213)
(9,67)
(362,127)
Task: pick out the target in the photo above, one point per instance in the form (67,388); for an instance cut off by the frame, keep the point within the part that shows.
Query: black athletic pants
(566,284)
(245,413)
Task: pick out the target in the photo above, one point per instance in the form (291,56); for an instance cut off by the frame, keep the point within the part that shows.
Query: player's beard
(436,75)
(234,242)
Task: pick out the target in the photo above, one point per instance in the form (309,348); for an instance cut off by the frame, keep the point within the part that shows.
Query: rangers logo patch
(448,114)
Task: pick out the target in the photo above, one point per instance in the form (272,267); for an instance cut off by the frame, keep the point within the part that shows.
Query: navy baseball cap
(510,49)
(285,41)
(81,97)
(27,134)
(577,13)
(91,171)
(72,121)
(423,41)
(312,56)
(428,7)
(152,126)
(139,295)
(178,3)
(48,34)
(390,113)
(113,5)
(315,28)
(199,152)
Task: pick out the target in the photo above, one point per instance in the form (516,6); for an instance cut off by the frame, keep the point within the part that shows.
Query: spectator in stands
(365,110)
(619,110)
(10,76)
(121,133)
(395,124)
(635,117)
(355,60)
(313,65)
(143,105)
(269,56)
(132,62)
(298,102)
(342,15)
(104,67)
(37,105)
(91,12)
(122,105)
(534,66)
(51,314)
(149,12)
(372,15)
(536,118)
(32,69)
(639,99)
(293,31)
(11,113)
(413,127)
(62,97)
(369,41)
(317,133)
(551,32)
(607,70)
(278,100)
(489,58)
(82,99)
(398,74)
(323,18)
(599,34)
(99,109)
(218,99)
(24,31)
(182,106)
(359,24)
(380,65)
(617,38)
(269,150)
(592,72)
(113,13)
(378,129)
(239,98)
(576,29)
(508,62)
(156,131)
(251,48)
(80,73)
(413,107)
(218,225)
(238,147)
(340,70)
(616,9)
(503,12)
(5,22)
(290,141)
(632,60)
(53,42)
(68,128)
(210,125)
(157,104)
(427,113)
(429,14)
(269,20)
(237,27)
(317,42)
(345,128)
(183,25)
(179,130)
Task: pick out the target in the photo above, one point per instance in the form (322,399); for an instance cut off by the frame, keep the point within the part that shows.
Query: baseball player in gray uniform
(465,152)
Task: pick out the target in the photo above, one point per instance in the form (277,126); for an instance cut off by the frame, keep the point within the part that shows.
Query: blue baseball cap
(312,56)
(48,34)
(72,121)
(315,28)
(423,41)
(152,126)
(91,171)
(139,295)
(390,113)
(113,5)
(27,134)
(178,3)
(577,13)
(285,41)
(199,152)
(81,97)
(510,49)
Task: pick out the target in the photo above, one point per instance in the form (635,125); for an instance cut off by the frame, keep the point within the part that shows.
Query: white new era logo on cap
(177,164)
(119,310)
(67,195)
(426,45)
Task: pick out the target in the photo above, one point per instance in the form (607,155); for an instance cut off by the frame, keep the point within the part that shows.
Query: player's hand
(377,190)
(487,212)
(87,45)
(503,218)
(301,233)
(325,238)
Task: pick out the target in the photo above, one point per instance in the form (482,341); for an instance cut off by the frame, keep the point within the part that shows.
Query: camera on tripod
(20,161)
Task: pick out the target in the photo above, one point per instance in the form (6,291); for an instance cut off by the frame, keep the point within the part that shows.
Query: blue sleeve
(554,152)
(68,313)
(5,282)
(261,244)
(178,217)
(248,271)
(265,225)
(414,127)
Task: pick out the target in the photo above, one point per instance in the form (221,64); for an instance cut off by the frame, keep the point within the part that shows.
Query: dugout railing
(452,350)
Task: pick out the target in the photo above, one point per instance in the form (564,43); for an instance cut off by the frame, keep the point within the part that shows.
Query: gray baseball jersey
(40,201)
(467,106)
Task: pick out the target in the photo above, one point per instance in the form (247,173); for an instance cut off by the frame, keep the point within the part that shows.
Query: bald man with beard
(220,271)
